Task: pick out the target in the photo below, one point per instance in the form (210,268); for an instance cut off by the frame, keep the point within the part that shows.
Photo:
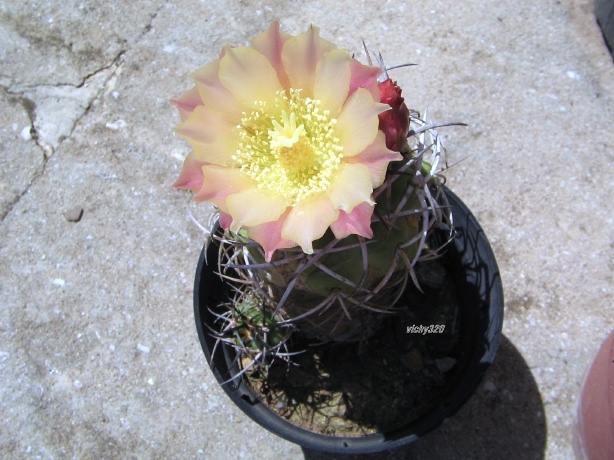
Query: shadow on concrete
(504,417)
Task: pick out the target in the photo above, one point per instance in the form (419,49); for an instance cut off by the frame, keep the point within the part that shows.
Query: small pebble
(489,387)
(74,214)
(26,133)
(117,124)
(282,403)
(431,274)
(445,364)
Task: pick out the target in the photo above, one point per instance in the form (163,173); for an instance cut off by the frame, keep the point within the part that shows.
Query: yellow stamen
(289,147)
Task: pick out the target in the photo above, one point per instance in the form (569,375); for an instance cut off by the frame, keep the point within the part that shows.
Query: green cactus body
(256,327)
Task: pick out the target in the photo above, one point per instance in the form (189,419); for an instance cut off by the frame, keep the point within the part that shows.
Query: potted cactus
(333,229)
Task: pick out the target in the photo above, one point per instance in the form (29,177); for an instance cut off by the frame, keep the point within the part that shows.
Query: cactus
(258,335)
(342,291)
(327,188)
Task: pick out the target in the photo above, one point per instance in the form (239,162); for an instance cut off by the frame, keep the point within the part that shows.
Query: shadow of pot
(594,429)
(480,296)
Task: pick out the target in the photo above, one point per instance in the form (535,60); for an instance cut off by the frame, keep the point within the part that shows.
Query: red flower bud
(394,122)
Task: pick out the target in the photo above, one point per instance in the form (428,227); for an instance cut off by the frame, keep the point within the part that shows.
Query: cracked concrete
(21,160)
(99,356)
(54,109)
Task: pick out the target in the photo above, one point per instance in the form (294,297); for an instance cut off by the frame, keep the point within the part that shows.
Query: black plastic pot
(482,304)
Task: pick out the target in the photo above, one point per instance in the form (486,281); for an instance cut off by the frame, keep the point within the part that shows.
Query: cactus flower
(287,139)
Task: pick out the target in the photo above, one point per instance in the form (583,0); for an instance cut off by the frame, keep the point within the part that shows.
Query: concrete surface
(99,356)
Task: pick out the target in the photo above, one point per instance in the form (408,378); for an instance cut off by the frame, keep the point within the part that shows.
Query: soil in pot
(394,377)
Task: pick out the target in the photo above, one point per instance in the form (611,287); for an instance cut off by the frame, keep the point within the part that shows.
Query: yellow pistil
(289,147)
(286,135)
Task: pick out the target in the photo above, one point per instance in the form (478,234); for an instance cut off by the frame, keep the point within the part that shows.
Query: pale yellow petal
(352,186)
(308,221)
(212,137)
(249,76)
(376,157)
(270,43)
(214,94)
(332,80)
(358,122)
(254,207)
(300,56)
(219,183)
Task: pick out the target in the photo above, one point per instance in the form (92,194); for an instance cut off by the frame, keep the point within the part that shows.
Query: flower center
(289,147)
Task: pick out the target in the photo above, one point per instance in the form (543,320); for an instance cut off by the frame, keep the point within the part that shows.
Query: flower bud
(394,122)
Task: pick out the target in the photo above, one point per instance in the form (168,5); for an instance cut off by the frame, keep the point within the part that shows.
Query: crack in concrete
(21,89)
(55,110)
(29,108)
(34,99)
(149,25)
(113,69)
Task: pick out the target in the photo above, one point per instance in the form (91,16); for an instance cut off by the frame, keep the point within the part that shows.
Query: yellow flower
(285,139)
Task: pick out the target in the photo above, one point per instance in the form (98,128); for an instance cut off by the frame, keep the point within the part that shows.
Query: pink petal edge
(225,220)
(357,222)
(187,102)
(268,235)
(191,176)
(376,157)
(364,76)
